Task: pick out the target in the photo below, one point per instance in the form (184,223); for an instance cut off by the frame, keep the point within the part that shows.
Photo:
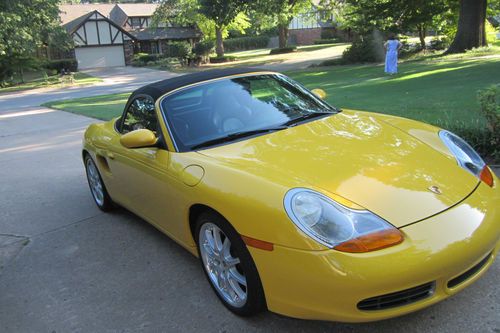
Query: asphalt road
(67,267)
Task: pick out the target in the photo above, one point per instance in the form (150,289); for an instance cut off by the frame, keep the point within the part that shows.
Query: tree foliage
(281,12)
(213,17)
(396,15)
(27,25)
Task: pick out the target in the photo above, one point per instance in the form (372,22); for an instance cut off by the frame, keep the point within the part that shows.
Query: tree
(283,11)
(222,13)
(394,15)
(212,17)
(471,30)
(26,26)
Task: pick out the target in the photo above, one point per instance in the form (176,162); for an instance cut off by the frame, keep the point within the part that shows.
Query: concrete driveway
(67,267)
(115,80)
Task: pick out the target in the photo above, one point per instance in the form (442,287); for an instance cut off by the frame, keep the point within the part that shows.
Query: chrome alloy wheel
(95,182)
(222,266)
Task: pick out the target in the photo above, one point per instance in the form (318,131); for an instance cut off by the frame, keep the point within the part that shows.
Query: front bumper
(328,285)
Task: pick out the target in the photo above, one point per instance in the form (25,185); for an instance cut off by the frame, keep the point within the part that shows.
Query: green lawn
(264,52)
(36,80)
(102,107)
(438,92)
(434,91)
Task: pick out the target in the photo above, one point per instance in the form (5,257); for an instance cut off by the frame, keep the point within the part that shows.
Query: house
(108,35)
(305,28)
(315,24)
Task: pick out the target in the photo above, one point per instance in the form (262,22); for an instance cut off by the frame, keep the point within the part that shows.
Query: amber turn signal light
(486,176)
(371,242)
(263,245)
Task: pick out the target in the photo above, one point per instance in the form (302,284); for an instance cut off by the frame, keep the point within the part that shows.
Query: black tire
(105,204)
(255,300)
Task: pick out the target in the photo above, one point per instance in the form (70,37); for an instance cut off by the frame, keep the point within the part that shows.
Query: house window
(135,22)
(154,48)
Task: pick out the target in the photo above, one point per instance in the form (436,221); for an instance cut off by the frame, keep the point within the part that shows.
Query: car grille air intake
(399,298)
(465,276)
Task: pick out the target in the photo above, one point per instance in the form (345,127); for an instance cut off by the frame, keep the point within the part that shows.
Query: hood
(359,157)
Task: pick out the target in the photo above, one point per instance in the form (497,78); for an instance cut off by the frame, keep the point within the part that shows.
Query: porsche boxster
(294,205)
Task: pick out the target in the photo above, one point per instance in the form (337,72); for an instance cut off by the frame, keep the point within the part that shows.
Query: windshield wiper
(311,115)
(237,135)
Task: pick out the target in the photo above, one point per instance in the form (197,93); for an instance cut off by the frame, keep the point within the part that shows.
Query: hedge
(216,60)
(326,41)
(288,49)
(246,43)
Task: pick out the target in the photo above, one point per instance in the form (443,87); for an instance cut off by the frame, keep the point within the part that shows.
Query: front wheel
(97,188)
(228,265)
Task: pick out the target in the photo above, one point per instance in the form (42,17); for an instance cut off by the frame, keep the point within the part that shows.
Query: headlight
(337,226)
(466,156)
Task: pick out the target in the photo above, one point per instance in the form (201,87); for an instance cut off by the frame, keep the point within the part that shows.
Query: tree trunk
(283,35)
(219,45)
(421,35)
(471,26)
(21,71)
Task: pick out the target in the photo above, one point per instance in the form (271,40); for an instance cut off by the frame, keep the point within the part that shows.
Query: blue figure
(392,47)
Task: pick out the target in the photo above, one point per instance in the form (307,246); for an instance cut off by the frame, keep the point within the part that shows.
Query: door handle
(111,155)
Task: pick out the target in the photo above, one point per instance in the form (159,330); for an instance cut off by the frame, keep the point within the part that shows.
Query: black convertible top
(158,89)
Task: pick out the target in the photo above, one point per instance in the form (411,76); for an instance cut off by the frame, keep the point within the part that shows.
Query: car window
(140,114)
(211,111)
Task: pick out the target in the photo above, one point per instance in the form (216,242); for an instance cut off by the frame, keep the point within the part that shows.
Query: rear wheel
(97,188)
(228,265)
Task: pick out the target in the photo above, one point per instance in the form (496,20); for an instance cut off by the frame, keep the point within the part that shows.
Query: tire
(231,272)
(96,185)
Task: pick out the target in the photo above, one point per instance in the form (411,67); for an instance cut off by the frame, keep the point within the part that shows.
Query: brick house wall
(305,36)
(128,49)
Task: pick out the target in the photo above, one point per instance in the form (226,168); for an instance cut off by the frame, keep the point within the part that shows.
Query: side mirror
(138,139)
(320,93)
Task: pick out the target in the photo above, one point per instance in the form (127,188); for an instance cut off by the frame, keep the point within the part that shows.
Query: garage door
(100,56)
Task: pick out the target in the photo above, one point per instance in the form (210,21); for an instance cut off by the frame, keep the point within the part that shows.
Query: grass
(36,80)
(438,92)
(104,107)
(258,53)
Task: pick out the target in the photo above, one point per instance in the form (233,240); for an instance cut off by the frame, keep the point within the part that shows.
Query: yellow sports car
(296,206)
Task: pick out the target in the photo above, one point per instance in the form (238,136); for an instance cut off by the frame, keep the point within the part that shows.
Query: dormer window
(135,22)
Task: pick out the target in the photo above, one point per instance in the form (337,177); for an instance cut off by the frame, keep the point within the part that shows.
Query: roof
(138,9)
(160,88)
(72,26)
(166,33)
(68,13)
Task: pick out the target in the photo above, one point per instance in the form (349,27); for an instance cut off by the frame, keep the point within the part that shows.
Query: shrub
(179,50)
(143,59)
(484,139)
(216,60)
(409,49)
(489,100)
(439,43)
(288,49)
(326,41)
(246,43)
(166,63)
(59,65)
(363,49)
(202,51)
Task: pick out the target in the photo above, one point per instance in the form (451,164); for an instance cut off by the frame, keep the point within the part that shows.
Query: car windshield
(230,109)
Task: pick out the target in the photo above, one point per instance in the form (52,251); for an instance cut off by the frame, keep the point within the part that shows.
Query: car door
(141,174)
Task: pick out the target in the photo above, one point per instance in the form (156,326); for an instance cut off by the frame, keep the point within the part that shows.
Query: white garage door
(100,56)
